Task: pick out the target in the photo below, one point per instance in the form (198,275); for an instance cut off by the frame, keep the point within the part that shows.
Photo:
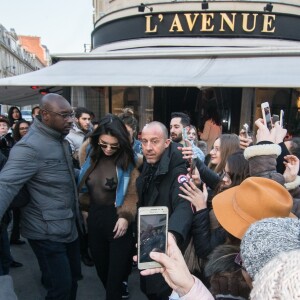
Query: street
(27,279)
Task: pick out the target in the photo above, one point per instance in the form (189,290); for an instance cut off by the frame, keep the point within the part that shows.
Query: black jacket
(166,189)
(208,176)
(205,239)
(163,190)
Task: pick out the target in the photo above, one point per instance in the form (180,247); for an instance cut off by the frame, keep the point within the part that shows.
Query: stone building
(163,56)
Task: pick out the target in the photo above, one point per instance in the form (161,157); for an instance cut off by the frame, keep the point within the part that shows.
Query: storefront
(179,56)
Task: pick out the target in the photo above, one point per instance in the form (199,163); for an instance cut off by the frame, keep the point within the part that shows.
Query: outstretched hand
(291,168)
(174,270)
(194,195)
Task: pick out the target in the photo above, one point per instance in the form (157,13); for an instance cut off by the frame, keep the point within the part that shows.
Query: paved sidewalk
(27,279)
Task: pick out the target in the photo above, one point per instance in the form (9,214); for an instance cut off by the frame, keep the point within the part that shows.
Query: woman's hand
(291,168)
(187,151)
(263,132)
(120,227)
(194,195)
(280,133)
(174,270)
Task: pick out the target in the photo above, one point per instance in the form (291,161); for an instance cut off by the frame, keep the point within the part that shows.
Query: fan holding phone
(268,120)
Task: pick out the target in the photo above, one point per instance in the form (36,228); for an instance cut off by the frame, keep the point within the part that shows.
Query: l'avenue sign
(211,22)
(199,24)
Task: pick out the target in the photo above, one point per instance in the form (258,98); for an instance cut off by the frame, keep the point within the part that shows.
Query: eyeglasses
(238,260)
(23,128)
(215,149)
(65,116)
(112,147)
(226,174)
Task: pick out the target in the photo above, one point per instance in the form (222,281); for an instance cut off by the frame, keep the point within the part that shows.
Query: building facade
(164,56)
(200,25)
(16,58)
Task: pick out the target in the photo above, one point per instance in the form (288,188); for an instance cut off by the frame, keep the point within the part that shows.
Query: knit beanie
(266,239)
(279,278)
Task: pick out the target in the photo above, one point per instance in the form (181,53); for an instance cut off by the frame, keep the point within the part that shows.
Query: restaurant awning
(217,67)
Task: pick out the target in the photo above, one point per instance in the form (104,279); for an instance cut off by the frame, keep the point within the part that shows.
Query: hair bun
(128,111)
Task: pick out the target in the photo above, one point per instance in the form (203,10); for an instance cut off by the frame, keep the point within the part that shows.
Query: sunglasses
(112,147)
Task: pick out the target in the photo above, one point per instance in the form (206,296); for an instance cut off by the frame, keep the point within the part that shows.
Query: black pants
(60,266)
(15,233)
(110,255)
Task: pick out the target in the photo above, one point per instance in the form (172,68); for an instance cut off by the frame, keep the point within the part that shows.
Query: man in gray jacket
(42,160)
(81,127)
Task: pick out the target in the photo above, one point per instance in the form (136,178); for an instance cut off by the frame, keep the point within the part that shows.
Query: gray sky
(63,25)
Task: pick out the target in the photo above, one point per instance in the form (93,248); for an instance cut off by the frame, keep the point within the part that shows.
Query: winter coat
(208,176)
(206,238)
(170,170)
(75,138)
(46,163)
(167,181)
(263,162)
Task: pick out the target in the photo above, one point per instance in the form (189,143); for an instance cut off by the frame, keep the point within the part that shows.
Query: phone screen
(184,136)
(152,237)
(268,117)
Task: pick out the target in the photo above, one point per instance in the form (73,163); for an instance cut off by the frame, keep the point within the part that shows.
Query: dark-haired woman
(108,172)
(21,128)
(205,240)
(14,115)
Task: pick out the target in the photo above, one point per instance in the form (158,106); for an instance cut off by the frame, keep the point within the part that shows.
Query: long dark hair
(112,125)
(17,135)
(10,118)
(238,170)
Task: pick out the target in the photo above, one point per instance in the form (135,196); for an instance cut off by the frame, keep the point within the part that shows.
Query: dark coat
(166,190)
(205,238)
(208,176)
(165,193)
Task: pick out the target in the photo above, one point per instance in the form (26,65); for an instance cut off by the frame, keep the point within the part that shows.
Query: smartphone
(266,112)
(185,136)
(152,234)
(246,130)
(275,118)
(281,118)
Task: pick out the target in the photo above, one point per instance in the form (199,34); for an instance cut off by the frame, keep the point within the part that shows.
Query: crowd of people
(72,186)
